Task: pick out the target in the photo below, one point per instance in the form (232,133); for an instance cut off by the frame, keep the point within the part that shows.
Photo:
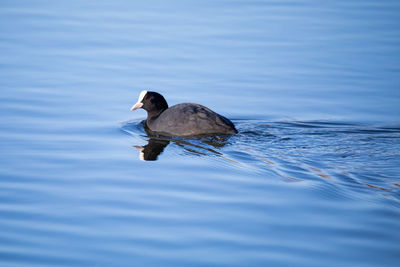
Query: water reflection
(152,150)
(199,145)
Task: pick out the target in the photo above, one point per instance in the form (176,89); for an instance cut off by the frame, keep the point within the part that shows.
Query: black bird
(185,119)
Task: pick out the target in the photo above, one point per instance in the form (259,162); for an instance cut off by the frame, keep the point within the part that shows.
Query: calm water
(312,178)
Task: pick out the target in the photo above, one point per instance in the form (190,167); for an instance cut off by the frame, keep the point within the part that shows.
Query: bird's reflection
(153,148)
(201,145)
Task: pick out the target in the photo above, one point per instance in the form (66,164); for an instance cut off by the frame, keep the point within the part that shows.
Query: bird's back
(191,119)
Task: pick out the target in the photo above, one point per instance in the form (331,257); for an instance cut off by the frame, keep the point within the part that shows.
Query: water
(312,178)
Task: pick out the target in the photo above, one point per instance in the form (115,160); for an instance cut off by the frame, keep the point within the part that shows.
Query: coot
(185,119)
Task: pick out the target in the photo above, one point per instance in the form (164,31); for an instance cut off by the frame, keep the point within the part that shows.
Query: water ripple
(332,152)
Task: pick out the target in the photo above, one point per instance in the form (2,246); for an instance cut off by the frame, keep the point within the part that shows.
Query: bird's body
(190,119)
(187,119)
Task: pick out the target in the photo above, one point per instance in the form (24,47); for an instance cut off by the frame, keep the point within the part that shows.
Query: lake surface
(311,179)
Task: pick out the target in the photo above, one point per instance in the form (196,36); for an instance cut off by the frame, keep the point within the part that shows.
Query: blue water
(311,179)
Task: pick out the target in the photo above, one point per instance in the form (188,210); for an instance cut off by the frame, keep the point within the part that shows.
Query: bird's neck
(152,115)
